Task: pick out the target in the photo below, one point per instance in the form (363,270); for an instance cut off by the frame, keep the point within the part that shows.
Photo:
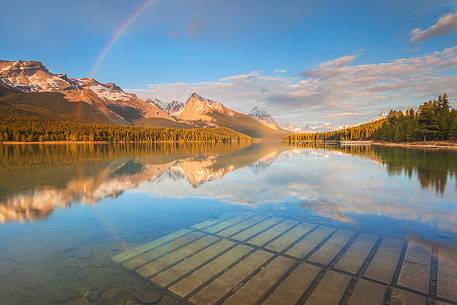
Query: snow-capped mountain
(174,108)
(264,117)
(161,105)
(32,76)
(109,99)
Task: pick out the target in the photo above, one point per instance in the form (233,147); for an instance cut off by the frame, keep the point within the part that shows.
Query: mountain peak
(198,108)
(21,65)
(259,113)
(264,117)
(113,86)
(174,108)
(195,95)
(31,76)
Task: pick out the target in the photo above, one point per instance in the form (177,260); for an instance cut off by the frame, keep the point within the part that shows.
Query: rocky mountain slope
(203,111)
(174,108)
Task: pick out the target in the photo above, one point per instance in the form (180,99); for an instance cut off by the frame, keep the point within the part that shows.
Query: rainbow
(121,29)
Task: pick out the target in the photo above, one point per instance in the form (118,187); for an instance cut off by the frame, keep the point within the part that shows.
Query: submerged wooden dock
(249,259)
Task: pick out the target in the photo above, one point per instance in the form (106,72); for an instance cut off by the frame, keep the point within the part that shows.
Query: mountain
(161,105)
(264,117)
(29,88)
(206,112)
(174,108)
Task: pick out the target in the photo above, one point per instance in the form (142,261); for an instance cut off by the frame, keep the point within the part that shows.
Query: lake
(319,224)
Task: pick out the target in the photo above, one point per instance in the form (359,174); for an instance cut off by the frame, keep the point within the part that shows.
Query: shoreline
(448,145)
(444,145)
(108,142)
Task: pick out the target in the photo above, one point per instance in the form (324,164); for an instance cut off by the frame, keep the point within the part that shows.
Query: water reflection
(123,196)
(342,183)
(432,168)
(36,179)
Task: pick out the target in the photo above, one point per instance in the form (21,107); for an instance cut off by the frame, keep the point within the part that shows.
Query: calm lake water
(65,210)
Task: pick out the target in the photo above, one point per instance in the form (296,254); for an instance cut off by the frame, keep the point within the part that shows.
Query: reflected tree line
(42,155)
(432,168)
(35,179)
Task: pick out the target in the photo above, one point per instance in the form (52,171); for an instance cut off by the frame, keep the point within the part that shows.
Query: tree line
(29,129)
(434,120)
(361,132)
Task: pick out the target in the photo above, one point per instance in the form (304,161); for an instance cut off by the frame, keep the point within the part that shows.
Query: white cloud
(360,91)
(444,25)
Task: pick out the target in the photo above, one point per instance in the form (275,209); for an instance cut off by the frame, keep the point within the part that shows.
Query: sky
(316,62)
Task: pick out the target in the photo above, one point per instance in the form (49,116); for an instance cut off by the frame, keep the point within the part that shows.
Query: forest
(435,120)
(17,128)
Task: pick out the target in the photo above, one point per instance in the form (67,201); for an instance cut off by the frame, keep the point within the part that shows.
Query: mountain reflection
(37,179)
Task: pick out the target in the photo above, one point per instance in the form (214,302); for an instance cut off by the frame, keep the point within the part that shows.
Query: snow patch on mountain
(264,117)
(175,108)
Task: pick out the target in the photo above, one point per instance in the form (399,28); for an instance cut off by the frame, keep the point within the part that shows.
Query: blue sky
(225,48)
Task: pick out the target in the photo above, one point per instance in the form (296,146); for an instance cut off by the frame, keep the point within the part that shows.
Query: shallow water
(65,210)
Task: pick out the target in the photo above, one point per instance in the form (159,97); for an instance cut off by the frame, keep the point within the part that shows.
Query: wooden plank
(330,289)
(283,241)
(172,258)
(415,271)
(148,246)
(294,286)
(227,223)
(252,231)
(223,284)
(258,285)
(191,282)
(309,242)
(325,254)
(272,233)
(447,274)
(357,253)
(367,293)
(172,274)
(403,297)
(241,226)
(385,261)
(212,221)
(206,223)
(162,250)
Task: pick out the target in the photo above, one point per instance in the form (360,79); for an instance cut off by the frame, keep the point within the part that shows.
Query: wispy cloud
(359,91)
(444,25)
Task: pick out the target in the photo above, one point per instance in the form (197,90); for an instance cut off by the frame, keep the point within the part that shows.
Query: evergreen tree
(434,120)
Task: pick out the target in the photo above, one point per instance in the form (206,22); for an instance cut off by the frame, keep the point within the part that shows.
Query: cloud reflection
(334,182)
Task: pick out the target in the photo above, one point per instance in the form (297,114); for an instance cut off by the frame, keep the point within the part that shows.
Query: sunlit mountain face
(341,184)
